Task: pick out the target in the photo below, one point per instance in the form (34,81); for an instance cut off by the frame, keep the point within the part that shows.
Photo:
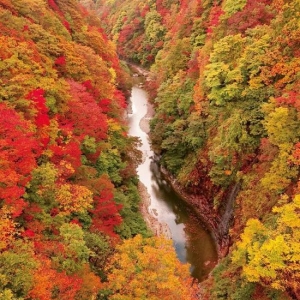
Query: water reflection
(192,243)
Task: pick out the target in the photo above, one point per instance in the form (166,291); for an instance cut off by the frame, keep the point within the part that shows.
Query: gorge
(169,215)
(224,124)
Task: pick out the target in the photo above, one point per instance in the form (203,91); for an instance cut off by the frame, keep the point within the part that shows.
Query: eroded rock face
(217,222)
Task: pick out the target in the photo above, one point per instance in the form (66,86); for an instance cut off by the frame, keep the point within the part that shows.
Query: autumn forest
(224,80)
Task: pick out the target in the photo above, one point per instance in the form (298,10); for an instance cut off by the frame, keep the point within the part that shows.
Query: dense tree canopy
(68,185)
(148,269)
(225,86)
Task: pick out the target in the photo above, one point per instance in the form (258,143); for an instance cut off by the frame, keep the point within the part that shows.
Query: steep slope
(68,185)
(227,126)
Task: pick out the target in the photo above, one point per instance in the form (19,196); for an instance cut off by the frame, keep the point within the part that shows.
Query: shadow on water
(193,244)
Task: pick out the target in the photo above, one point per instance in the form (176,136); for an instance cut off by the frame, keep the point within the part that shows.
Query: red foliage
(55,7)
(145,10)
(68,286)
(18,153)
(42,118)
(127,32)
(77,222)
(103,34)
(104,104)
(291,98)
(70,152)
(61,61)
(106,212)
(88,85)
(85,114)
(67,25)
(254,13)
(214,18)
(28,233)
(54,211)
(92,90)
(121,98)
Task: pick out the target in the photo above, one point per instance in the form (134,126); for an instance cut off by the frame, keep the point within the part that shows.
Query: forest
(225,79)
(70,225)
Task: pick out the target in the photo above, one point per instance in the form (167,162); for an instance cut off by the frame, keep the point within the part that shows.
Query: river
(193,244)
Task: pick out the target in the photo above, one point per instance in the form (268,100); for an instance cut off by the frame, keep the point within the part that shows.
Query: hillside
(68,183)
(225,86)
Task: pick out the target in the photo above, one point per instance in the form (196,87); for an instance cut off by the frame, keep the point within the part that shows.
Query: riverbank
(210,219)
(153,224)
(157,227)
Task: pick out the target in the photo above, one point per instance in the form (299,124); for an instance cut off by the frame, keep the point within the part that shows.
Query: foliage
(225,87)
(271,257)
(148,269)
(225,80)
(63,146)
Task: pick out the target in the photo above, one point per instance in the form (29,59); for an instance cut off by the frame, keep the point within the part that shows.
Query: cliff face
(225,87)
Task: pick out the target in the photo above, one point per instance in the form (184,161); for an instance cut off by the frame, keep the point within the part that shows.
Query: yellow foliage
(148,269)
(272,255)
(73,198)
(113,125)
(7,228)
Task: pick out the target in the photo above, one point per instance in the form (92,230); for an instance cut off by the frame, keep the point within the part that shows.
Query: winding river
(193,244)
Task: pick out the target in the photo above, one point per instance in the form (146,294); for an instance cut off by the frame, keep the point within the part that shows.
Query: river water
(192,243)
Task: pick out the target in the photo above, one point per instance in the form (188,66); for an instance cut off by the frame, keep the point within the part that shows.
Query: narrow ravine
(168,214)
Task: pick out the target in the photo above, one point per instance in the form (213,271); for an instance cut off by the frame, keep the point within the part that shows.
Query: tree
(85,114)
(16,267)
(73,198)
(18,153)
(148,269)
(270,254)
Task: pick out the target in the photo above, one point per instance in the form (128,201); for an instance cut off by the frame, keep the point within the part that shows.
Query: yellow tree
(271,254)
(73,198)
(147,268)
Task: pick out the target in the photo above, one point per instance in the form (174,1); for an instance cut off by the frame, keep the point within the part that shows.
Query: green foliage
(227,78)
(99,250)
(16,268)
(133,222)
(76,250)
(110,163)
(41,189)
(154,31)
(89,145)
(230,7)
